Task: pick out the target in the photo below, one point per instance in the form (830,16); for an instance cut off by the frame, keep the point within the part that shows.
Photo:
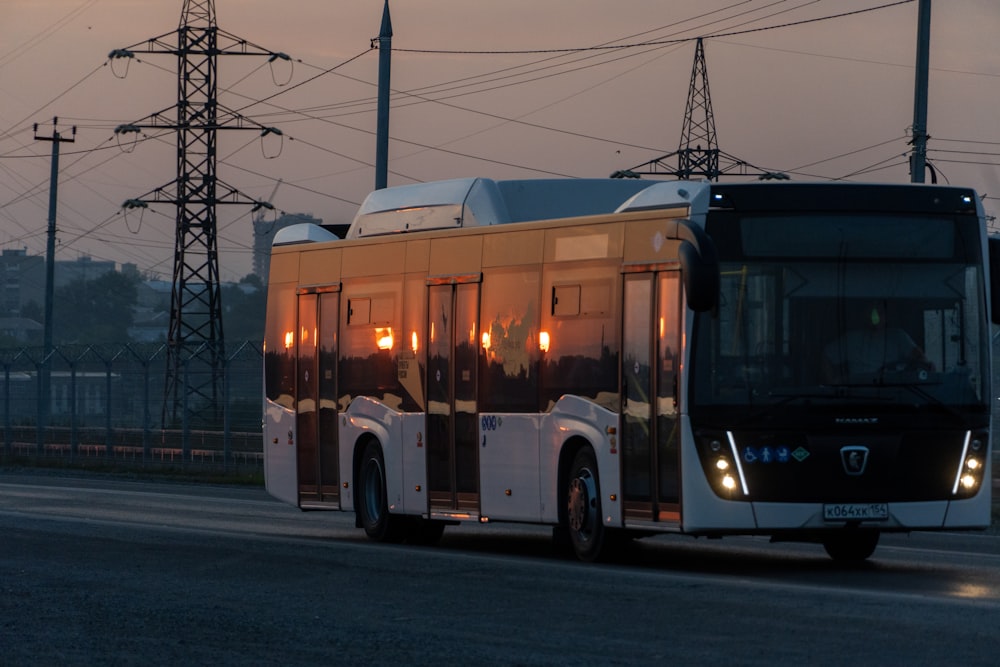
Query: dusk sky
(817,99)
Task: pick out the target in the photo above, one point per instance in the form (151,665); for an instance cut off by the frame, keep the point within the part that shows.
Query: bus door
(452,413)
(650,447)
(316,407)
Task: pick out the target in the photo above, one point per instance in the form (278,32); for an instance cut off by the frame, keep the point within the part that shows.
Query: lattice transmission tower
(698,155)
(195,342)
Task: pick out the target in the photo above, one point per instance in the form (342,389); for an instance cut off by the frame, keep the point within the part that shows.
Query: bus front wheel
(583,507)
(373,508)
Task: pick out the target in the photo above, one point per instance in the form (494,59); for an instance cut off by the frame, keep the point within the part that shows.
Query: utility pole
(50,268)
(918,160)
(382,131)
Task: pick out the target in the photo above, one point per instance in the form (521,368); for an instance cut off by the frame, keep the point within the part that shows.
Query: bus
(624,358)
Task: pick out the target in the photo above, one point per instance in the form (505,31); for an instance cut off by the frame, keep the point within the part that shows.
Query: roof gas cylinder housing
(472,202)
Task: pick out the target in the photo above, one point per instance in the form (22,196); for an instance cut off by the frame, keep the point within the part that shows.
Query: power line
(864,61)
(877,166)
(655,42)
(968,141)
(302,83)
(848,153)
(31,42)
(9,133)
(982,164)
(945,150)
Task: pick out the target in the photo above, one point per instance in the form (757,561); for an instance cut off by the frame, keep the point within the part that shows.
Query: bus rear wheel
(584,521)
(853,546)
(373,508)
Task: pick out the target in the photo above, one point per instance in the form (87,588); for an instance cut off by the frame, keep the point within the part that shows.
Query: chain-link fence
(110,402)
(107,403)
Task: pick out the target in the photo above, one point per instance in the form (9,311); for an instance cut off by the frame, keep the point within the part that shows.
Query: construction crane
(267,204)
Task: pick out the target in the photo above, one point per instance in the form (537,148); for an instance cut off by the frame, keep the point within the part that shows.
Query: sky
(818,89)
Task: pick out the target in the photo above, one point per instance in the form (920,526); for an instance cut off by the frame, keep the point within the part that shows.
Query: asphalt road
(97,570)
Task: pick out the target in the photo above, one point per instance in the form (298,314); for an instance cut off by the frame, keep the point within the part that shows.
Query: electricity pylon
(698,155)
(195,341)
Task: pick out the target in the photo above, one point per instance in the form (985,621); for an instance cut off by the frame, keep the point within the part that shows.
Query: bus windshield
(844,308)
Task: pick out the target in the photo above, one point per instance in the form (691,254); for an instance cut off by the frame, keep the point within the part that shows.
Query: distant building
(80,270)
(23,280)
(263,236)
(24,277)
(154,295)
(22,330)
(151,319)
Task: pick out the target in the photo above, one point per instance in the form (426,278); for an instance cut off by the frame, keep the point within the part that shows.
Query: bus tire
(851,547)
(373,508)
(582,498)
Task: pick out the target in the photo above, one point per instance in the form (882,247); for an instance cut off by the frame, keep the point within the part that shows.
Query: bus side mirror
(994,285)
(700,270)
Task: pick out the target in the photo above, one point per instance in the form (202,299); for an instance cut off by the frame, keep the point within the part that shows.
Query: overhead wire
(441,87)
(846,154)
(38,38)
(539,126)
(507,119)
(488,77)
(9,133)
(438,87)
(655,42)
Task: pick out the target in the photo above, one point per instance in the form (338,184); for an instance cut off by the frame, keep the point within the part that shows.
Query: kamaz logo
(856,420)
(855,459)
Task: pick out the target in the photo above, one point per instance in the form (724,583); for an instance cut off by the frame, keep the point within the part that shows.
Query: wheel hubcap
(373,491)
(582,495)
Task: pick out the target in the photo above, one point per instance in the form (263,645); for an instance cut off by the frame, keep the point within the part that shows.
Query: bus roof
(803,196)
(471,202)
(475,202)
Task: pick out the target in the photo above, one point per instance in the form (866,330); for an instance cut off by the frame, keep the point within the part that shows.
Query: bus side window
(510,349)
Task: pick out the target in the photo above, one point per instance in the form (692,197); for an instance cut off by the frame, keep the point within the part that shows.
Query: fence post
(40,371)
(185,425)
(72,411)
(7,436)
(225,415)
(108,438)
(145,411)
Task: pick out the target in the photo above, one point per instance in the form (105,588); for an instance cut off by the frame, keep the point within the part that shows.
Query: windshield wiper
(930,399)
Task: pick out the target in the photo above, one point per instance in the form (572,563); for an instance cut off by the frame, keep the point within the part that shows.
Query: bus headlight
(972,467)
(722,469)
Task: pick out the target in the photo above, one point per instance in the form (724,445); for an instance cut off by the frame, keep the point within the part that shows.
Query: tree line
(104,309)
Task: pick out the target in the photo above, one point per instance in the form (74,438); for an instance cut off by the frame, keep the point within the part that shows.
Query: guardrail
(240,451)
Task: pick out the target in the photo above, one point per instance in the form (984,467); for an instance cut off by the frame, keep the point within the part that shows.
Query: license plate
(856,512)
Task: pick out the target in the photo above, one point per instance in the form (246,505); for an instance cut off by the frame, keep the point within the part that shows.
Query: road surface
(97,570)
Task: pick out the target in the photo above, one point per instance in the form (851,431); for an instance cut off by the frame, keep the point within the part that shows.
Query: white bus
(621,358)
